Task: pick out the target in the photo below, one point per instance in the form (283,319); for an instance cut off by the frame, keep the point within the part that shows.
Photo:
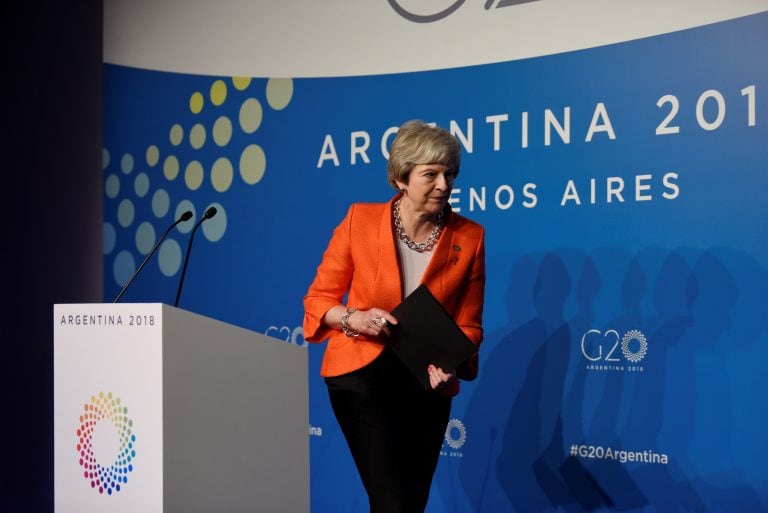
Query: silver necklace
(420,247)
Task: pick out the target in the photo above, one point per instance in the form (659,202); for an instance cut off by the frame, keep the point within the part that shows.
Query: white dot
(279,92)
(169,257)
(109,238)
(112,186)
(145,237)
(222,131)
(126,163)
(123,267)
(125,213)
(221,174)
(197,136)
(152,155)
(182,207)
(141,185)
(104,158)
(215,227)
(250,115)
(176,134)
(193,175)
(160,203)
(171,167)
(253,163)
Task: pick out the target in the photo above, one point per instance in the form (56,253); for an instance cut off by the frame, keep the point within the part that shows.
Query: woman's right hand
(372,323)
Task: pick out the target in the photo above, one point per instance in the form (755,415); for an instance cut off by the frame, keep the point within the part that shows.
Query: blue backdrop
(622,190)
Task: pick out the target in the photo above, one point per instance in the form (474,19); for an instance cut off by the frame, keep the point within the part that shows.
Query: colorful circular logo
(103,416)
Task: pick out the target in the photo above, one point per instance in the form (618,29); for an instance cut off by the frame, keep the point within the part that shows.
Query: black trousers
(394,429)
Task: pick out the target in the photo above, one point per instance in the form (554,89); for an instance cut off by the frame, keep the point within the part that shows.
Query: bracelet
(345,322)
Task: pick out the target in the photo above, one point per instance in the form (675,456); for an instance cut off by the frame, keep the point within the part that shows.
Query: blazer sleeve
(470,312)
(331,282)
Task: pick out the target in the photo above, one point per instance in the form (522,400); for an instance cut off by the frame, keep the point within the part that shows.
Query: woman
(377,256)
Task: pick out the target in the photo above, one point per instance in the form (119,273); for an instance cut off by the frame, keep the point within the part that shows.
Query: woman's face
(428,187)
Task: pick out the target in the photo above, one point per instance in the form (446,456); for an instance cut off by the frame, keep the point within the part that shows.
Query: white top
(413,264)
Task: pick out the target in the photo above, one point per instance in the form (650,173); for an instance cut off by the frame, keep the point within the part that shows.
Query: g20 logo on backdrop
(293,336)
(455,438)
(106,443)
(610,351)
(408,8)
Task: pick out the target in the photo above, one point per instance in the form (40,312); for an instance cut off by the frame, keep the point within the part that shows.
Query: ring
(380,321)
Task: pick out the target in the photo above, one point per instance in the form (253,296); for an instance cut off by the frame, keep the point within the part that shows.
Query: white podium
(158,409)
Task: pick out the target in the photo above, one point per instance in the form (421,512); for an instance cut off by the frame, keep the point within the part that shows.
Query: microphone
(186,216)
(208,214)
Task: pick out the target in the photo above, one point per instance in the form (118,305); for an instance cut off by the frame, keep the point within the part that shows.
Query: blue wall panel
(626,300)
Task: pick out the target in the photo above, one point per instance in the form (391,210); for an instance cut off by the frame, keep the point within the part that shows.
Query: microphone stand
(184,217)
(208,214)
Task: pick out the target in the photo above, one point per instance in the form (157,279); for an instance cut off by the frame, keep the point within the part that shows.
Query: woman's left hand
(438,378)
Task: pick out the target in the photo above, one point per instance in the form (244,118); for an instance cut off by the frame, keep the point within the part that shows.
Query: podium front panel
(157,409)
(108,409)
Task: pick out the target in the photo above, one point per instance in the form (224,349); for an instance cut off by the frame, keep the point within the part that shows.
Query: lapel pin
(455,258)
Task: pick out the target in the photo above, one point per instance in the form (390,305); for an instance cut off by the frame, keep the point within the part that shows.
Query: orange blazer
(362,261)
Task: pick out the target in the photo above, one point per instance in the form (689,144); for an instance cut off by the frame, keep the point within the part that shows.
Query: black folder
(425,334)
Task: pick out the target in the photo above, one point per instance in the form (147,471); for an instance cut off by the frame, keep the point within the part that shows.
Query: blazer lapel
(388,282)
(440,264)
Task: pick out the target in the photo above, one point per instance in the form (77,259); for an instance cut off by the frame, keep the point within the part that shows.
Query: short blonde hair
(419,143)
